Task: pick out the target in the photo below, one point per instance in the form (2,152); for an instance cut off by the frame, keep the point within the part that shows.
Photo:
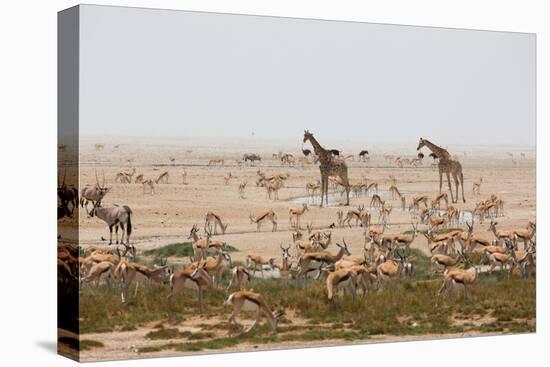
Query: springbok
(214,162)
(501,235)
(263,216)
(385,212)
(476,188)
(436,222)
(139,178)
(376,201)
(197,279)
(200,245)
(162,178)
(390,269)
(115,216)
(250,301)
(296,212)
(407,239)
(125,176)
(214,266)
(313,261)
(228,178)
(253,261)
(285,267)
(527,235)
(456,277)
(345,278)
(395,193)
(216,218)
(419,199)
(273,187)
(436,203)
(127,271)
(312,187)
(446,261)
(354,214)
(325,240)
(240,278)
(372,186)
(148,184)
(242,187)
(365,219)
(96,271)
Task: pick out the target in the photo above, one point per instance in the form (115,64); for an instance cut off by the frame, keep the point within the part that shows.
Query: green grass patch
(408,307)
(87,344)
(180,249)
(176,334)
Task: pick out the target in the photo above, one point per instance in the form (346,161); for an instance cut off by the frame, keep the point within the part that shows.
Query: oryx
(93,193)
(67,195)
(115,216)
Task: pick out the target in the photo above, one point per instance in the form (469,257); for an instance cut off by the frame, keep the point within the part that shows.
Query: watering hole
(336,200)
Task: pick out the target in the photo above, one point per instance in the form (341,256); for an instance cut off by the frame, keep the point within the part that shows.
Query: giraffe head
(421,143)
(307,135)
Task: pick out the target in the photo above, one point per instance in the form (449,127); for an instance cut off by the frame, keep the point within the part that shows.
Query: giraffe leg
(326,190)
(347,190)
(440,179)
(322,188)
(455,179)
(462,184)
(450,188)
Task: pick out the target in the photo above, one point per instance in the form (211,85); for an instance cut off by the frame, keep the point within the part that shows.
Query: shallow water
(336,200)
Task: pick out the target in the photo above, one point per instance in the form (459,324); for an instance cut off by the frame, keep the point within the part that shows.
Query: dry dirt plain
(167,216)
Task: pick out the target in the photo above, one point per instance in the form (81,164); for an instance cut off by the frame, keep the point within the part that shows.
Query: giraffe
(446,165)
(329,166)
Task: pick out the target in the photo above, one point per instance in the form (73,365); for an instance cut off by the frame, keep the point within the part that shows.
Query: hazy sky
(173,73)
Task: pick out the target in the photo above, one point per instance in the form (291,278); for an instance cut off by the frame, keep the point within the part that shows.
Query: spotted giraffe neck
(319,150)
(438,151)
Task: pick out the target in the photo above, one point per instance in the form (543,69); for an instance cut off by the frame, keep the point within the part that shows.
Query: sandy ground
(167,216)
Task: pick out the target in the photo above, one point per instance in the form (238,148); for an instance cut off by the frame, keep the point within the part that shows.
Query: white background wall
(28,149)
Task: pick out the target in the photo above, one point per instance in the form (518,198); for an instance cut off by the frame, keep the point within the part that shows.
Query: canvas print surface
(241,183)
